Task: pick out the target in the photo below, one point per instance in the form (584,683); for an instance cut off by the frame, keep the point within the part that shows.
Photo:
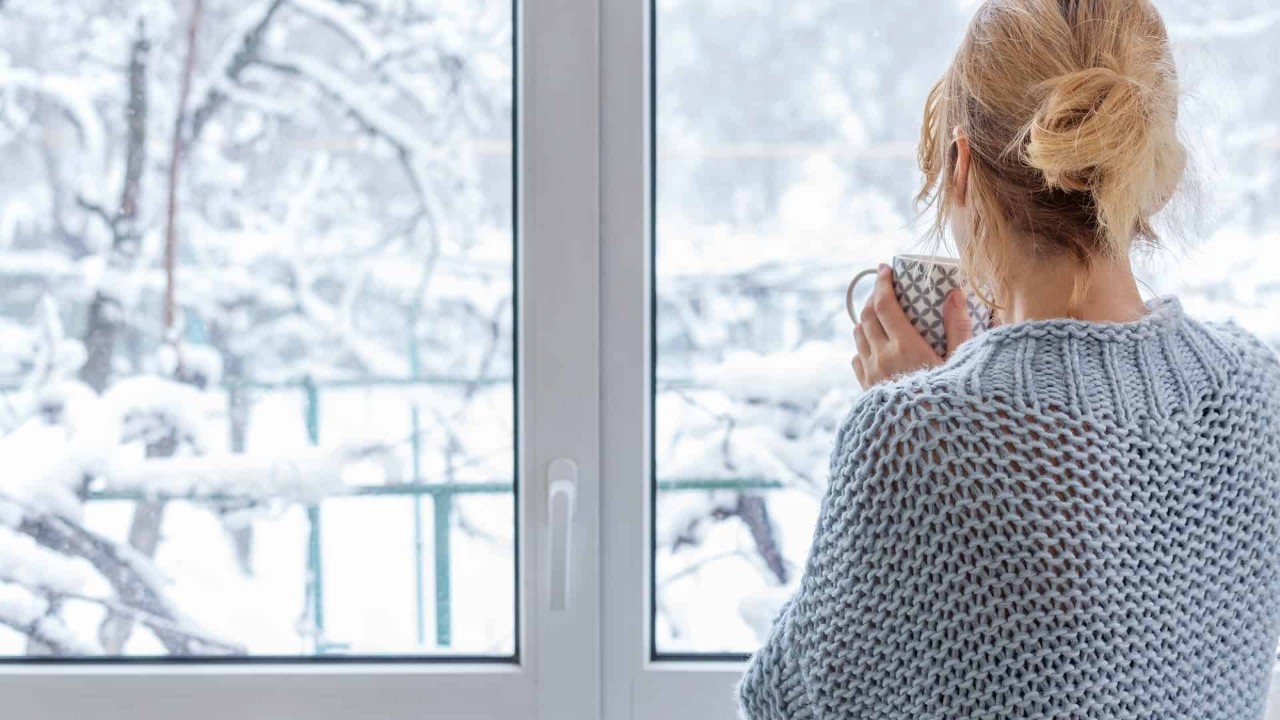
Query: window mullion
(559,177)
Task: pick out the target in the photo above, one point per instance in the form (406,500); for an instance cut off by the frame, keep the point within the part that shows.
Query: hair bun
(1105,133)
(1089,121)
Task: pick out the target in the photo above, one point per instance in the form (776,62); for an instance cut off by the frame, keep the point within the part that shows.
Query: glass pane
(256,329)
(785,161)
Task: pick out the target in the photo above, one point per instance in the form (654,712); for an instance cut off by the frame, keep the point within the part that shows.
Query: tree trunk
(106,315)
(148,515)
(753,512)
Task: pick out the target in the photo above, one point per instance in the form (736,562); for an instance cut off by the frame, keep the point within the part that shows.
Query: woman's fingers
(888,344)
(870,324)
(956,321)
(889,312)
(860,337)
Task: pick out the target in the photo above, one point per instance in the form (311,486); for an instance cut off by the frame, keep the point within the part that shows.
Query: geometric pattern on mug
(922,289)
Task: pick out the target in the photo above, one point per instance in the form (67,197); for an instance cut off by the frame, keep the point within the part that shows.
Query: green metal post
(315,561)
(443,506)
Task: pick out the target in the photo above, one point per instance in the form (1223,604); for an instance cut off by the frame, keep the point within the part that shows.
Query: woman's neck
(1044,292)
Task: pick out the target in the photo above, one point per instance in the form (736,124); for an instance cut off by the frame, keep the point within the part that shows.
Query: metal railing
(442,496)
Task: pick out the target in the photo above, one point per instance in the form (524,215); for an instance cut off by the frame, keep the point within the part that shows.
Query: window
(281,370)
(785,138)
(258,379)
(422,249)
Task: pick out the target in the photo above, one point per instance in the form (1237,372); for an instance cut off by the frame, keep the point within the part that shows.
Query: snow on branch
(75,97)
(134,581)
(358,103)
(342,21)
(28,613)
(23,562)
(180,406)
(230,62)
(413,152)
(304,476)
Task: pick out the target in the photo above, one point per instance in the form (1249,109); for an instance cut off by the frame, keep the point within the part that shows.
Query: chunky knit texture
(1067,520)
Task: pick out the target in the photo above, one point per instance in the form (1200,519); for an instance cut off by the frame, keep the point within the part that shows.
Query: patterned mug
(922,283)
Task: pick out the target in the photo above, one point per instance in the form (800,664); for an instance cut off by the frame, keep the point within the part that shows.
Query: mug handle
(853,285)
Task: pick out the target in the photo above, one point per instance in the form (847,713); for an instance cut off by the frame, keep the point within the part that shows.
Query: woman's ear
(961,180)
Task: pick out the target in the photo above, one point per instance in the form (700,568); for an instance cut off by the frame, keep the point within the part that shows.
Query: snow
(1256,24)
(22,562)
(301,477)
(76,98)
(19,608)
(34,264)
(352,198)
(345,22)
(40,477)
(783,376)
(137,400)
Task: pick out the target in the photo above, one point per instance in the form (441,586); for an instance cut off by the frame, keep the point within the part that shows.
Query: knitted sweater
(1066,520)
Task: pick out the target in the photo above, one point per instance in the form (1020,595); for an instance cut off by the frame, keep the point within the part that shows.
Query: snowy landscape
(256,322)
(786,163)
(256,328)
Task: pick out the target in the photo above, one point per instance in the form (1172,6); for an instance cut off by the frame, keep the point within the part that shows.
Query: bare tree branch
(243,57)
(95,210)
(39,636)
(131,583)
(410,150)
(754,513)
(159,624)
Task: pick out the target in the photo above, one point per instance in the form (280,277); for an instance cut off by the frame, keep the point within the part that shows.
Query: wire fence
(442,496)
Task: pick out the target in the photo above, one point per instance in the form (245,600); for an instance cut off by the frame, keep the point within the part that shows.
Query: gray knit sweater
(1067,520)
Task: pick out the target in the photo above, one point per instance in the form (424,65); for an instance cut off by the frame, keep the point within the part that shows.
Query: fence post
(442,504)
(415,444)
(315,562)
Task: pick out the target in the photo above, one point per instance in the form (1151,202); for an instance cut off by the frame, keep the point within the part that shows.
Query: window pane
(295,438)
(785,145)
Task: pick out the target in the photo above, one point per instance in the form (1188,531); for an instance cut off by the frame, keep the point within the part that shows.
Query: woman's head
(1052,136)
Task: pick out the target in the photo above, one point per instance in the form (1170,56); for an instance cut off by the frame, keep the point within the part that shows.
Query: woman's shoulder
(1244,344)
(1256,369)
(910,407)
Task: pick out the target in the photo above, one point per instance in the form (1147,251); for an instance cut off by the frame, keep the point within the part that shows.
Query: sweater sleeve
(777,685)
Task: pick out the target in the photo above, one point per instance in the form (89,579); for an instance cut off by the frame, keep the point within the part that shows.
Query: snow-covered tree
(205,195)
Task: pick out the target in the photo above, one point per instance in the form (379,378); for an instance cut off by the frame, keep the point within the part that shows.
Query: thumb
(956,321)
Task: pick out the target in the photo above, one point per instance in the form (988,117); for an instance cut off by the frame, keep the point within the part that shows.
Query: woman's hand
(889,346)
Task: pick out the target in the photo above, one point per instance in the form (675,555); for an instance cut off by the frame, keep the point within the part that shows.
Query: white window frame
(556,674)
(635,686)
(584,202)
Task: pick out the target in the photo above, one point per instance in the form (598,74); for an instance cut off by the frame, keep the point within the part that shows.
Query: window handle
(562,495)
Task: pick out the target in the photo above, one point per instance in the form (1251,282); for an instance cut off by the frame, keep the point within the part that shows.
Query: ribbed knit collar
(1149,369)
(1163,314)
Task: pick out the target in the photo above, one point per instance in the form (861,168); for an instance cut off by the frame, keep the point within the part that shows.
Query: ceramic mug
(922,283)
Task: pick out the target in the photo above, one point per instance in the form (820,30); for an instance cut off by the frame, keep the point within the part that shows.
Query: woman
(1078,513)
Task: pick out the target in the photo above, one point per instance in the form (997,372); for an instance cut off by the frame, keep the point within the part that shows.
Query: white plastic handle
(562,495)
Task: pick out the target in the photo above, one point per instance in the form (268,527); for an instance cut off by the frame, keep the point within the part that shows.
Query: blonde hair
(1070,110)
